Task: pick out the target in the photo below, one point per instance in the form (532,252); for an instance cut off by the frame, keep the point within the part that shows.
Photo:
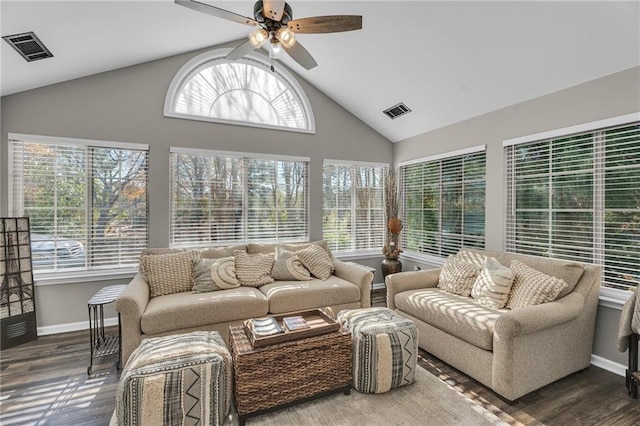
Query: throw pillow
(317,261)
(288,267)
(168,273)
(253,270)
(214,274)
(457,276)
(493,285)
(223,272)
(532,287)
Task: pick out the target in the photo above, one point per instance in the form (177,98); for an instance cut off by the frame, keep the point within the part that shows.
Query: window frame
(63,276)
(256,59)
(353,164)
(609,297)
(430,258)
(245,202)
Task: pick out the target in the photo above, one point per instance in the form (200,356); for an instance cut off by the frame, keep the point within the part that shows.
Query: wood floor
(45,383)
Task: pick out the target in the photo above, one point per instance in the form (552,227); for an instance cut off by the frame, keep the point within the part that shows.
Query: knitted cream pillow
(532,287)
(253,270)
(168,273)
(317,261)
(457,276)
(288,267)
(493,285)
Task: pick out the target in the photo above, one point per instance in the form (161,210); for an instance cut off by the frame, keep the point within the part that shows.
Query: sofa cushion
(457,276)
(168,273)
(186,310)
(317,261)
(567,271)
(214,274)
(218,252)
(460,316)
(288,267)
(493,285)
(253,248)
(532,287)
(253,270)
(287,296)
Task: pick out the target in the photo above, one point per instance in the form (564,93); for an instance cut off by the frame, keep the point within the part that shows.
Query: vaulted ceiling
(447,61)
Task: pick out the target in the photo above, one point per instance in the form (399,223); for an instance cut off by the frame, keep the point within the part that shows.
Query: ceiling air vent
(396,111)
(28,46)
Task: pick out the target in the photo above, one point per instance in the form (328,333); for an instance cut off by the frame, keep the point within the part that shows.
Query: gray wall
(611,96)
(127,105)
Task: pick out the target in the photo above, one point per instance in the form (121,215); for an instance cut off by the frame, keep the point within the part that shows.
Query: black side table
(101,344)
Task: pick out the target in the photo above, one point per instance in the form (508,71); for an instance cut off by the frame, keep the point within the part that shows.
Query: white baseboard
(72,326)
(608,365)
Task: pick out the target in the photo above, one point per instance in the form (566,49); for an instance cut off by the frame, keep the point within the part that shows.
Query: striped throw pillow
(317,261)
(493,285)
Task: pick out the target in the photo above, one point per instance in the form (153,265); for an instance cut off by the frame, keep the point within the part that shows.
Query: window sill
(57,278)
(354,255)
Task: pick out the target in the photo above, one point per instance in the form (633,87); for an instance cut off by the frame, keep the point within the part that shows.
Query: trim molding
(607,364)
(72,326)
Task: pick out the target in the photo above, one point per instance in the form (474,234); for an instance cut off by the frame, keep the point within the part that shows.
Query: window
(220,198)
(86,200)
(443,202)
(353,206)
(576,196)
(244,92)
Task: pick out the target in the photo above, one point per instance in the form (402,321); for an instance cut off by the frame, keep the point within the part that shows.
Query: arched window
(244,92)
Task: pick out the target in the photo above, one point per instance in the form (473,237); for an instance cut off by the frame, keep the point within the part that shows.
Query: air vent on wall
(396,111)
(29,46)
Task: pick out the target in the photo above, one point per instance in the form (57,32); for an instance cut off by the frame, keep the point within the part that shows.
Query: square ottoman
(181,379)
(385,348)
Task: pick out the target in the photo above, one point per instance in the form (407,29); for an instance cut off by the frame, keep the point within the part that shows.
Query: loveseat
(512,351)
(162,298)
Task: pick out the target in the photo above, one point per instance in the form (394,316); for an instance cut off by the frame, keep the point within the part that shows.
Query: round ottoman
(179,379)
(385,348)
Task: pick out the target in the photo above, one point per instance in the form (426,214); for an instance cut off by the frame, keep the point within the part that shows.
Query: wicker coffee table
(280,375)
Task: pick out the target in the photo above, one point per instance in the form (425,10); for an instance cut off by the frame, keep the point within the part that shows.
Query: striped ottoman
(183,379)
(385,348)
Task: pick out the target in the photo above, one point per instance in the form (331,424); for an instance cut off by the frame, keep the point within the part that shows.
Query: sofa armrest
(531,319)
(131,304)
(413,280)
(358,276)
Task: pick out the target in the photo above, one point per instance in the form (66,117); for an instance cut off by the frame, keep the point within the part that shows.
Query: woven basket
(279,374)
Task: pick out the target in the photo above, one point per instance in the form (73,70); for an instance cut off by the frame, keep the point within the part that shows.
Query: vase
(390,266)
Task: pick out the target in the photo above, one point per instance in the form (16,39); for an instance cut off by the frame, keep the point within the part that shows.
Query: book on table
(266,326)
(295,323)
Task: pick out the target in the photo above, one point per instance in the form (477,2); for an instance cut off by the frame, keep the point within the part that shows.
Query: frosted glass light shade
(258,37)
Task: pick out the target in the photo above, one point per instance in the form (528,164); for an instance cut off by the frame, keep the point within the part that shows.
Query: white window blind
(87,202)
(247,92)
(220,198)
(578,198)
(353,206)
(443,203)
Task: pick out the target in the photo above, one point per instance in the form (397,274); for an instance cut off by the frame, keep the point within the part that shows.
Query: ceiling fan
(275,24)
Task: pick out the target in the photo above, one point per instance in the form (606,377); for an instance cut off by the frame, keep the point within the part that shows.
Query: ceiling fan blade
(301,56)
(240,51)
(217,12)
(273,9)
(326,24)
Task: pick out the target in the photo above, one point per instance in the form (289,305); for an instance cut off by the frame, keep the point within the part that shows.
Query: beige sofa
(513,352)
(144,316)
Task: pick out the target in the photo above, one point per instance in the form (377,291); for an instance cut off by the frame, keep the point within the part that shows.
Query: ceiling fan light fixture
(286,37)
(275,50)
(258,37)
